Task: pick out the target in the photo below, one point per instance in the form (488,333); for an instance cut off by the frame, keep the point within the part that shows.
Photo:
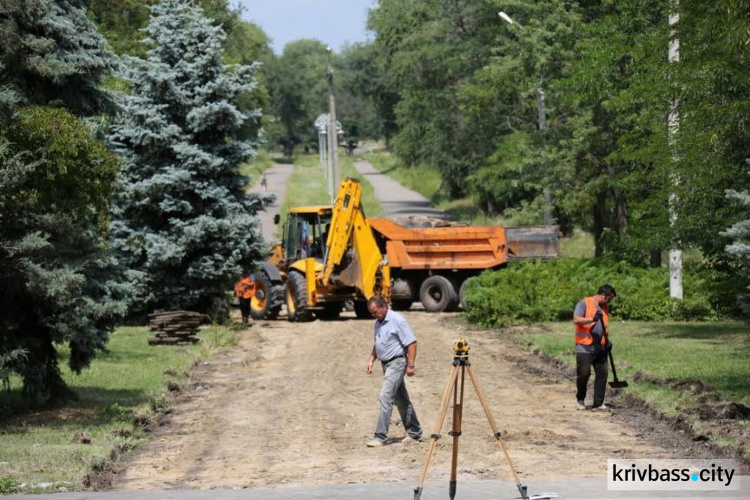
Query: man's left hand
(410,371)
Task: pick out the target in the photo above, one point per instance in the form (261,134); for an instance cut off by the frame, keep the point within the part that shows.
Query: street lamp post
(542,120)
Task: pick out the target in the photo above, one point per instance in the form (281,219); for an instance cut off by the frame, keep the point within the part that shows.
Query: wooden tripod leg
(458,405)
(493,425)
(436,430)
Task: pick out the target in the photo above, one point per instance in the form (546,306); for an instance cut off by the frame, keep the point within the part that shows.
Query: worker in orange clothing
(244,289)
(591,319)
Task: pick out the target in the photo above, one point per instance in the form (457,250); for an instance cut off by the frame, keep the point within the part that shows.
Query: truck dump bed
(462,247)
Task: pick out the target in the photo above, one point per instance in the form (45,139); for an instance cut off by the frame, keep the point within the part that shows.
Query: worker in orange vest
(591,319)
(244,289)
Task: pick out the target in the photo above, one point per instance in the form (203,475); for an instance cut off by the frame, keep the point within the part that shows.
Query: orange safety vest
(245,288)
(583,332)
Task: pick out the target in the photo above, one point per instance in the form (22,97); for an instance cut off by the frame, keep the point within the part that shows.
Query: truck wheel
(437,294)
(462,294)
(329,312)
(296,298)
(268,298)
(401,305)
(360,310)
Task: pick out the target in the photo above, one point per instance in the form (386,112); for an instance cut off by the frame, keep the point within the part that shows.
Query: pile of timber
(175,327)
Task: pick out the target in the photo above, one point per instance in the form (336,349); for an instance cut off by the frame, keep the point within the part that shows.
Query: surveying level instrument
(455,387)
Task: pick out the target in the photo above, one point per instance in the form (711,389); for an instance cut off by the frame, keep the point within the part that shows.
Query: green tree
(431,52)
(740,247)
(299,92)
(57,284)
(365,96)
(182,216)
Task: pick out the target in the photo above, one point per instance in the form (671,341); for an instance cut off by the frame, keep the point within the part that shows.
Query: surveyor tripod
(455,387)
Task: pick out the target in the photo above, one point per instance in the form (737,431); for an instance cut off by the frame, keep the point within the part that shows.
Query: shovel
(615,384)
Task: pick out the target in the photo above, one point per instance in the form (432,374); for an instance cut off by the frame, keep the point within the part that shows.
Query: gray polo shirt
(392,335)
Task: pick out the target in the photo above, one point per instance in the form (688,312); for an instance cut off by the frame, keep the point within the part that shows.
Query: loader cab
(305,233)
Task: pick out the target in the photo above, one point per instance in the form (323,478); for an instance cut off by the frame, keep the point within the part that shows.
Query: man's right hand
(368,366)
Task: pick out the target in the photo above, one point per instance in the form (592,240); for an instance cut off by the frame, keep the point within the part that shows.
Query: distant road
(277,177)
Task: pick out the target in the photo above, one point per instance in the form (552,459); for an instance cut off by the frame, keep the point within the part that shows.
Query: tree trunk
(42,380)
(600,221)
(655,260)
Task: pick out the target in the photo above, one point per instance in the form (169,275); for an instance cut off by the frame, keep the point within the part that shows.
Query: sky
(333,22)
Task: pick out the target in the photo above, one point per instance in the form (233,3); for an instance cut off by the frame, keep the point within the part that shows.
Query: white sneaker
(580,405)
(374,443)
(603,407)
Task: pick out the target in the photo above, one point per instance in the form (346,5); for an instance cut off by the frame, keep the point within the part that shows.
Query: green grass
(580,245)
(129,381)
(715,354)
(307,185)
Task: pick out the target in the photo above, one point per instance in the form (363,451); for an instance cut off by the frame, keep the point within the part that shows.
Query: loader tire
(437,294)
(361,311)
(330,312)
(269,297)
(401,304)
(296,298)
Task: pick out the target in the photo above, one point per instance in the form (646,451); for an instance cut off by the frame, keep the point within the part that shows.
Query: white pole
(673,125)
(320,150)
(332,132)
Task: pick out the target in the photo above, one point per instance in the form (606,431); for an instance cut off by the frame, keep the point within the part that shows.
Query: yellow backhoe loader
(328,256)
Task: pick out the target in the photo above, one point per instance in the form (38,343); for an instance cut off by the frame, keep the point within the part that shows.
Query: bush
(536,291)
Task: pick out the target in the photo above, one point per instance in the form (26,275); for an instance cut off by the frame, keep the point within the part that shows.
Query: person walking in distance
(244,290)
(264,183)
(396,347)
(591,319)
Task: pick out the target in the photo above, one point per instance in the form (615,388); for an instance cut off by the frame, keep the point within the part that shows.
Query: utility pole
(673,125)
(333,137)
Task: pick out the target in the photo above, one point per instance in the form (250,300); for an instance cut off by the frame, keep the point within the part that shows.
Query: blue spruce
(740,247)
(182,216)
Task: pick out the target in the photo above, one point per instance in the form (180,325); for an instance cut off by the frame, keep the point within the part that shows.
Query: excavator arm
(350,237)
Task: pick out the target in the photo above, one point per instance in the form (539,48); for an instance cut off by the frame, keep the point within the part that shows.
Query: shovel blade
(618,384)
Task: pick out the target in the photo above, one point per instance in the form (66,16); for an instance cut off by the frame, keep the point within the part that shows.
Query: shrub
(536,291)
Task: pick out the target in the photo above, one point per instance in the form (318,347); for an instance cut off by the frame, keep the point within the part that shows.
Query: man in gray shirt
(396,347)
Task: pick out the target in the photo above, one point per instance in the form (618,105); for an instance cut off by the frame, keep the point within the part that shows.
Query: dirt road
(292,405)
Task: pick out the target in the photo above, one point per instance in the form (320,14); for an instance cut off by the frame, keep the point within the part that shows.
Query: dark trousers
(245,308)
(584,362)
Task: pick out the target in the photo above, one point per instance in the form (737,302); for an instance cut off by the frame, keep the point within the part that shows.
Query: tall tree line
(463,96)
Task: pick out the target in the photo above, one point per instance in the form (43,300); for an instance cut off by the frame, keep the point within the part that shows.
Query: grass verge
(696,373)
(124,391)
(307,186)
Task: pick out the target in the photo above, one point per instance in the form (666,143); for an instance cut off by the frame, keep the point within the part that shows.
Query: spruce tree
(182,215)
(56,180)
(740,248)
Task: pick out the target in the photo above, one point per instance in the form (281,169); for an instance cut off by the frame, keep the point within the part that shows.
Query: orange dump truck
(331,255)
(433,264)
